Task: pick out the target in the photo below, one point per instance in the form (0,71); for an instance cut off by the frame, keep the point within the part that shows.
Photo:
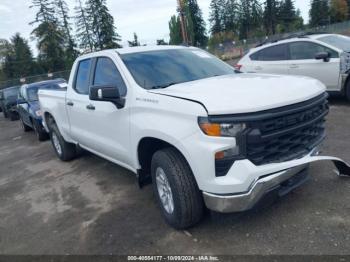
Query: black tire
(347,90)
(25,127)
(5,114)
(67,151)
(187,199)
(40,132)
(13,116)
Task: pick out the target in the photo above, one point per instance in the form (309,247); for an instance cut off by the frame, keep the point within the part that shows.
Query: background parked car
(29,107)
(325,57)
(8,102)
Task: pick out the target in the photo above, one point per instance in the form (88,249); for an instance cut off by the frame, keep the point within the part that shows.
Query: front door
(96,125)
(302,62)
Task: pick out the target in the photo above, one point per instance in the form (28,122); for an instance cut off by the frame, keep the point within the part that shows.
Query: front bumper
(247,200)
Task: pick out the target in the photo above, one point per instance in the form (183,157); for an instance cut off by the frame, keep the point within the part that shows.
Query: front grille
(286,133)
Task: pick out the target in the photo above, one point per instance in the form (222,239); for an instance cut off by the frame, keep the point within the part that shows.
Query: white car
(321,56)
(183,119)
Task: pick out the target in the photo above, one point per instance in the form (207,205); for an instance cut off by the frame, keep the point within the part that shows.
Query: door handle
(70,103)
(90,107)
(294,66)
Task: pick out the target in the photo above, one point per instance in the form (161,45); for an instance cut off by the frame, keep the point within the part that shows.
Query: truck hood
(246,93)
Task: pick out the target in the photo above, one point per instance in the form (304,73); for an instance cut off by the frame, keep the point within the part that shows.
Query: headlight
(225,159)
(220,130)
(38,113)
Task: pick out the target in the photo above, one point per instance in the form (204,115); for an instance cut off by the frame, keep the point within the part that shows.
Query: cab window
(273,53)
(107,74)
(308,50)
(82,77)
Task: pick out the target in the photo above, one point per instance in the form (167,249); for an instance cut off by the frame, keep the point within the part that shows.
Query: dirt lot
(90,206)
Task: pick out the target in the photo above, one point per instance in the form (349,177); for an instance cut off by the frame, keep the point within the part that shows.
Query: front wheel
(25,127)
(176,190)
(40,131)
(64,150)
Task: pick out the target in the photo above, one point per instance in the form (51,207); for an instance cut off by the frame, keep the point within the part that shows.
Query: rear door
(76,102)
(271,60)
(302,62)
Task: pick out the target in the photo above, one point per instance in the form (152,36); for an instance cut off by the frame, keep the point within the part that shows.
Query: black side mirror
(325,56)
(107,94)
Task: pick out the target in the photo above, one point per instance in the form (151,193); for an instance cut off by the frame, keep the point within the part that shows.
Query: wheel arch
(146,148)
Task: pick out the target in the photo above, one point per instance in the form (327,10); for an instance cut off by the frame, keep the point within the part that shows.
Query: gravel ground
(91,206)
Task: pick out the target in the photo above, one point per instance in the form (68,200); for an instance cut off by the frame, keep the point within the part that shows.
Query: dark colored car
(29,108)
(8,102)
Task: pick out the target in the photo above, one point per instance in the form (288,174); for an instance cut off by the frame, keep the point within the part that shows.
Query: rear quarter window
(273,53)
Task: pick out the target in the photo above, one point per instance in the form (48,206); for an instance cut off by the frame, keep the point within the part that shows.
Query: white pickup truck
(204,134)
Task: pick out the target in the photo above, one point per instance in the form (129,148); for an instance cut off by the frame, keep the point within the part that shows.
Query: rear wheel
(64,150)
(5,113)
(176,190)
(40,131)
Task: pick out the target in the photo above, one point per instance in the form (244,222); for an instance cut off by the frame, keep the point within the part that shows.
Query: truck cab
(183,120)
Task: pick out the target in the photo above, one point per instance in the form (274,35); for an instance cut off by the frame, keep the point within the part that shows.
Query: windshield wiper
(164,86)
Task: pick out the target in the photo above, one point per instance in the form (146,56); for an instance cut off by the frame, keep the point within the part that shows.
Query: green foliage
(175,30)
(101,24)
(71,53)
(339,11)
(83,27)
(195,25)
(51,46)
(50,36)
(198,31)
(216,18)
(251,18)
(319,13)
(271,16)
(18,58)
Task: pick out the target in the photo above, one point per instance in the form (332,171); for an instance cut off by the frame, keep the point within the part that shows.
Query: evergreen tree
(62,11)
(230,14)
(18,59)
(287,15)
(319,13)
(216,18)
(338,11)
(175,31)
(102,26)
(198,24)
(49,35)
(135,42)
(271,16)
(84,28)
(250,18)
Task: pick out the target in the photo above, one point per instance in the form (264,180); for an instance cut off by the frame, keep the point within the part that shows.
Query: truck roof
(136,49)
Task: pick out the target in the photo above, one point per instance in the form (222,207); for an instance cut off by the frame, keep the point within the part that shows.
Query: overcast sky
(148,18)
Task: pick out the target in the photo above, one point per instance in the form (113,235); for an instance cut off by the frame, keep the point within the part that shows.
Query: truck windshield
(339,41)
(160,69)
